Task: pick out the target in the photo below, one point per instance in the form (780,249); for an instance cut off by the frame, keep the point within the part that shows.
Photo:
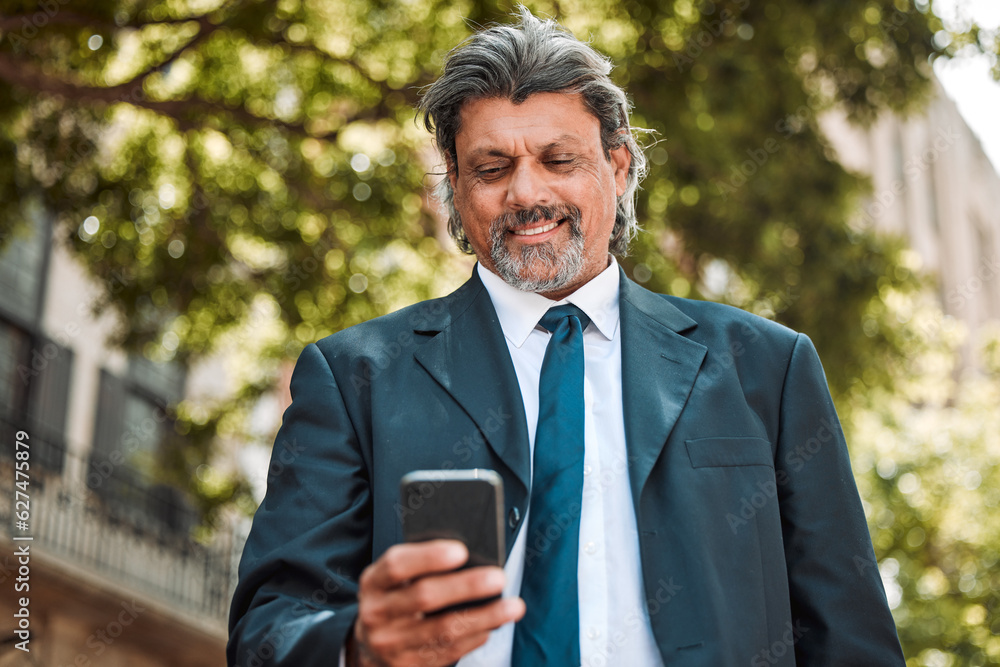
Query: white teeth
(536,230)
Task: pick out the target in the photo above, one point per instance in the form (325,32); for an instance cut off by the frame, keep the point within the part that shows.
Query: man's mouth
(536,230)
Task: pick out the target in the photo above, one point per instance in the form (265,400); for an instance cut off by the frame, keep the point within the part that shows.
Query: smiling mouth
(536,230)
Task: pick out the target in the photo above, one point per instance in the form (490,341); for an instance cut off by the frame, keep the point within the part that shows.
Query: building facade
(933,184)
(97,560)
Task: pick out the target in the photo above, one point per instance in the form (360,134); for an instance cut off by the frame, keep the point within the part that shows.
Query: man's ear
(621,160)
(452,167)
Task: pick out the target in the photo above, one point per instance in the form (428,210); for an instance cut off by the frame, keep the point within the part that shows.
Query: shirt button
(587,470)
(590,548)
(593,633)
(513,517)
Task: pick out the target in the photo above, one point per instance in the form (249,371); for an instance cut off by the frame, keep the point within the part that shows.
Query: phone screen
(465,505)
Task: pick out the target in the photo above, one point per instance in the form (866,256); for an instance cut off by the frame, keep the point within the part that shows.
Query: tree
(926,459)
(247,176)
(247,173)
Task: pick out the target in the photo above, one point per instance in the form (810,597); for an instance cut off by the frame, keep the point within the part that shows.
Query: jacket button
(513,517)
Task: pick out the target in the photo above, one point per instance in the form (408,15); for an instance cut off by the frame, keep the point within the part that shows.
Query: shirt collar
(519,312)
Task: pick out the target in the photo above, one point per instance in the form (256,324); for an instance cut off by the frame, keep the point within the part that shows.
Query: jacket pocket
(715,452)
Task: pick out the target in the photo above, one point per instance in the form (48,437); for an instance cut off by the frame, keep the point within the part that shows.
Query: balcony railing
(124,532)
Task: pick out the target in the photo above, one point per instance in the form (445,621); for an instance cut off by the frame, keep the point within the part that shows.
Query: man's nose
(527,186)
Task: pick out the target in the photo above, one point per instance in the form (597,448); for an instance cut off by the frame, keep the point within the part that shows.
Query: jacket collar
(468,357)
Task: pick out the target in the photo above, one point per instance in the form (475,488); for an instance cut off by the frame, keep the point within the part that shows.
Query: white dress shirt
(614,623)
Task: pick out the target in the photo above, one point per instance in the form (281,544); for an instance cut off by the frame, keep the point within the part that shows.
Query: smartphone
(464,505)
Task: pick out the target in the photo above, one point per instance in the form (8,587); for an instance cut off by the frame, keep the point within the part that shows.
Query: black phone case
(461,505)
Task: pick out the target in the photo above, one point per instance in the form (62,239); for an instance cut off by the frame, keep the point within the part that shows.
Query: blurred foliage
(245,176)
(927,460)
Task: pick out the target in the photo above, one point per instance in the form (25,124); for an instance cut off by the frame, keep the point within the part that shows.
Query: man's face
(535,191)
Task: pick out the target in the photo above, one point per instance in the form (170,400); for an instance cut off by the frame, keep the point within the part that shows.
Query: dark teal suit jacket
(754,546)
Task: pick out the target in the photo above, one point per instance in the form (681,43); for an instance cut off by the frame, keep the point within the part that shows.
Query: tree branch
(409,91)
(205,29)
(185,112)
(131,91)
(68,17)
(17,21)
(133,86)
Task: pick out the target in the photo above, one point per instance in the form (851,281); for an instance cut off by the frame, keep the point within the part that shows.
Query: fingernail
(457,551)
(495,578)
(516,607)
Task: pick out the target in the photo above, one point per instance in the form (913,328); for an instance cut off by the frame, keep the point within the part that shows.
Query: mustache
(527,216)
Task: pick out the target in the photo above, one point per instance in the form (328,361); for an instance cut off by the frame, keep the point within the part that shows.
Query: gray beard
(537,268)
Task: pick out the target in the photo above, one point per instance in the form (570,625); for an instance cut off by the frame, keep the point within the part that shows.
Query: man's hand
(412,580)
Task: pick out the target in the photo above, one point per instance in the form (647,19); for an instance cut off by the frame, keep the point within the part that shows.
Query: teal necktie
(549,633)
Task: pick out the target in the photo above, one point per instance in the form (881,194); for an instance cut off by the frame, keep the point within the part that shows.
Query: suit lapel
(659,367)
(468,357)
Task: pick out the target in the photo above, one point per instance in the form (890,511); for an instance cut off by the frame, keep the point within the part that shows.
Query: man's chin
(540,280)
(536,269)
(542,268)
(537,279)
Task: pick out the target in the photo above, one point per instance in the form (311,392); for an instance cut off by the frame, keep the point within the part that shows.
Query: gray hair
(514,62)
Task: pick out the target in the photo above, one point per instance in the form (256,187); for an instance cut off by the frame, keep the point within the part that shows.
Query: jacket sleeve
(839,608)
(296,599)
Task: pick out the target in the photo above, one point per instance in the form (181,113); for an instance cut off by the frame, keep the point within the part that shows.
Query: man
(710,512)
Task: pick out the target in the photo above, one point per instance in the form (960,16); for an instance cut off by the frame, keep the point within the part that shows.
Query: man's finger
(467,628)
(404,562)
(477,620)
(445,638)
(429,594)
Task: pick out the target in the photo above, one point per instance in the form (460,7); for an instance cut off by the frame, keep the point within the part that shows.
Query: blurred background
(193,190)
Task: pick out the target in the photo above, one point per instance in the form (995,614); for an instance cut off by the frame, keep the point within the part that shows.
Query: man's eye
(486,172)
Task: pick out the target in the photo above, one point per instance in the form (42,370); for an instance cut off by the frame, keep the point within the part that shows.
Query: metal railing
(125,532)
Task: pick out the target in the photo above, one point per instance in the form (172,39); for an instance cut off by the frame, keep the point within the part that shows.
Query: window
(22,272)
(34,371)
(131,428)
(14,345)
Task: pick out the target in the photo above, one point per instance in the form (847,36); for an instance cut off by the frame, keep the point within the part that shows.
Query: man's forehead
(487,147)
(542,122)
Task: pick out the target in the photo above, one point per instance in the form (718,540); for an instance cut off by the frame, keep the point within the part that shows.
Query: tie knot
(553,317)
